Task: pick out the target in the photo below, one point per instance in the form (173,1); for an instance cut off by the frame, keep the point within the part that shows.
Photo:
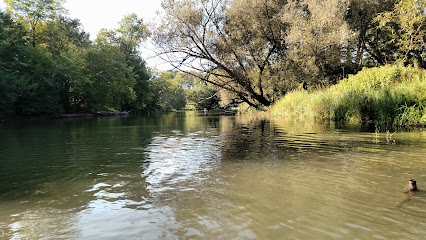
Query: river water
(189,176)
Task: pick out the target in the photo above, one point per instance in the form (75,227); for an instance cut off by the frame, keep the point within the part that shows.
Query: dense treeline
(224,53)
(259,50)
(49,65)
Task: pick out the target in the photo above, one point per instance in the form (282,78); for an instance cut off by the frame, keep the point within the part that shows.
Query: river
(190,176)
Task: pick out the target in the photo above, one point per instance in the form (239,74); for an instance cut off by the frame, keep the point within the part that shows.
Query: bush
(390,94)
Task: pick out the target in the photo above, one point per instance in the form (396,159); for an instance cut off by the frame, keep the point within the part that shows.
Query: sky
(98,14)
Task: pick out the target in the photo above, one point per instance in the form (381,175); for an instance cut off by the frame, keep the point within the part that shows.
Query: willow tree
(234,45)
(317,39)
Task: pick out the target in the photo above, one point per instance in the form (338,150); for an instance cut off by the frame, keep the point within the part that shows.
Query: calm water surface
(185,176)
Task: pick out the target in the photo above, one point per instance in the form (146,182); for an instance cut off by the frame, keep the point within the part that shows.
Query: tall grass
(390,94)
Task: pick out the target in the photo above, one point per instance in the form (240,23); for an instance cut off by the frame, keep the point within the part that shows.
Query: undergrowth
(390,94)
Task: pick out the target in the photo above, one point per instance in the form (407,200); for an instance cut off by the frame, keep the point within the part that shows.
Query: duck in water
(412,186)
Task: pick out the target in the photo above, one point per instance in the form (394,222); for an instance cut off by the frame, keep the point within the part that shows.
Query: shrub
(390,94)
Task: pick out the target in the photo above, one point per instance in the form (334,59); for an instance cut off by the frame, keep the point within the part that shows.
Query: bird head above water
(412,185)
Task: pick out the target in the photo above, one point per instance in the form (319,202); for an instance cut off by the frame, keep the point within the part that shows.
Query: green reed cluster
(391,94)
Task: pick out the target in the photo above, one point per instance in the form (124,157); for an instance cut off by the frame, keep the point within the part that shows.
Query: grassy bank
(387,95)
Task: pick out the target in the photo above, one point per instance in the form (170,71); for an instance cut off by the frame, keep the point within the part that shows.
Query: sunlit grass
(390,94)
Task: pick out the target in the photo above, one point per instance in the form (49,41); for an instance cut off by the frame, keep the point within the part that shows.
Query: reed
(391,94)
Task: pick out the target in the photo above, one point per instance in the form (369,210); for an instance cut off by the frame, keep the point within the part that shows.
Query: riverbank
(391,94)
(97,114)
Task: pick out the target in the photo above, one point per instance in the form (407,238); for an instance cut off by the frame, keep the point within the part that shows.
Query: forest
(223,53)
(49,66)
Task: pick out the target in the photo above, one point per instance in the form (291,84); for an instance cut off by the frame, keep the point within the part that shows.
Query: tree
(40,91)
(170,90)
(128,37)
(369,39)
(202,94)
(316,40)
(72,81)
(62,70)
(32,13)
(27,74)
(63,34)
(235,45)
(111,79)
(11,46)
(130,34)
(407,22)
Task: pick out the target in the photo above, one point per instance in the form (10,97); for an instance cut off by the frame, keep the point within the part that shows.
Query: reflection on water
(184,176)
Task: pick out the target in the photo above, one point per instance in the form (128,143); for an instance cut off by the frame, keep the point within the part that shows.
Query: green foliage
(33,13)
(39,89)
(391,94)
(72,81)
(131,33)
(229,40)
(369,46)
(169,86)
(410,115)
(63,34)
(177,91)
(316,40)
(11,45)
(200,94)
(243,51)
(259,50)
(143,88)
(407,22)
(111,79)
(63,71)
(27,79)
(128,36)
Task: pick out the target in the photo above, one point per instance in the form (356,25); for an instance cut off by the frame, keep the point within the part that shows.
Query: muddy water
(189,176)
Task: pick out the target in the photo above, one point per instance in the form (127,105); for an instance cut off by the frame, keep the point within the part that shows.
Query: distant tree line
(178,90)
(259,50)
(49,65)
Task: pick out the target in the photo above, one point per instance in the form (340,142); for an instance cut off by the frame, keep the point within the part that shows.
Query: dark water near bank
(184,176)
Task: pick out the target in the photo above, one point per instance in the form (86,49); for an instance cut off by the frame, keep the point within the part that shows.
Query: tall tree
(128,37)
(234,44)
(27,74)
(131,33)
(316,39)
(200,93)
(32,13)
